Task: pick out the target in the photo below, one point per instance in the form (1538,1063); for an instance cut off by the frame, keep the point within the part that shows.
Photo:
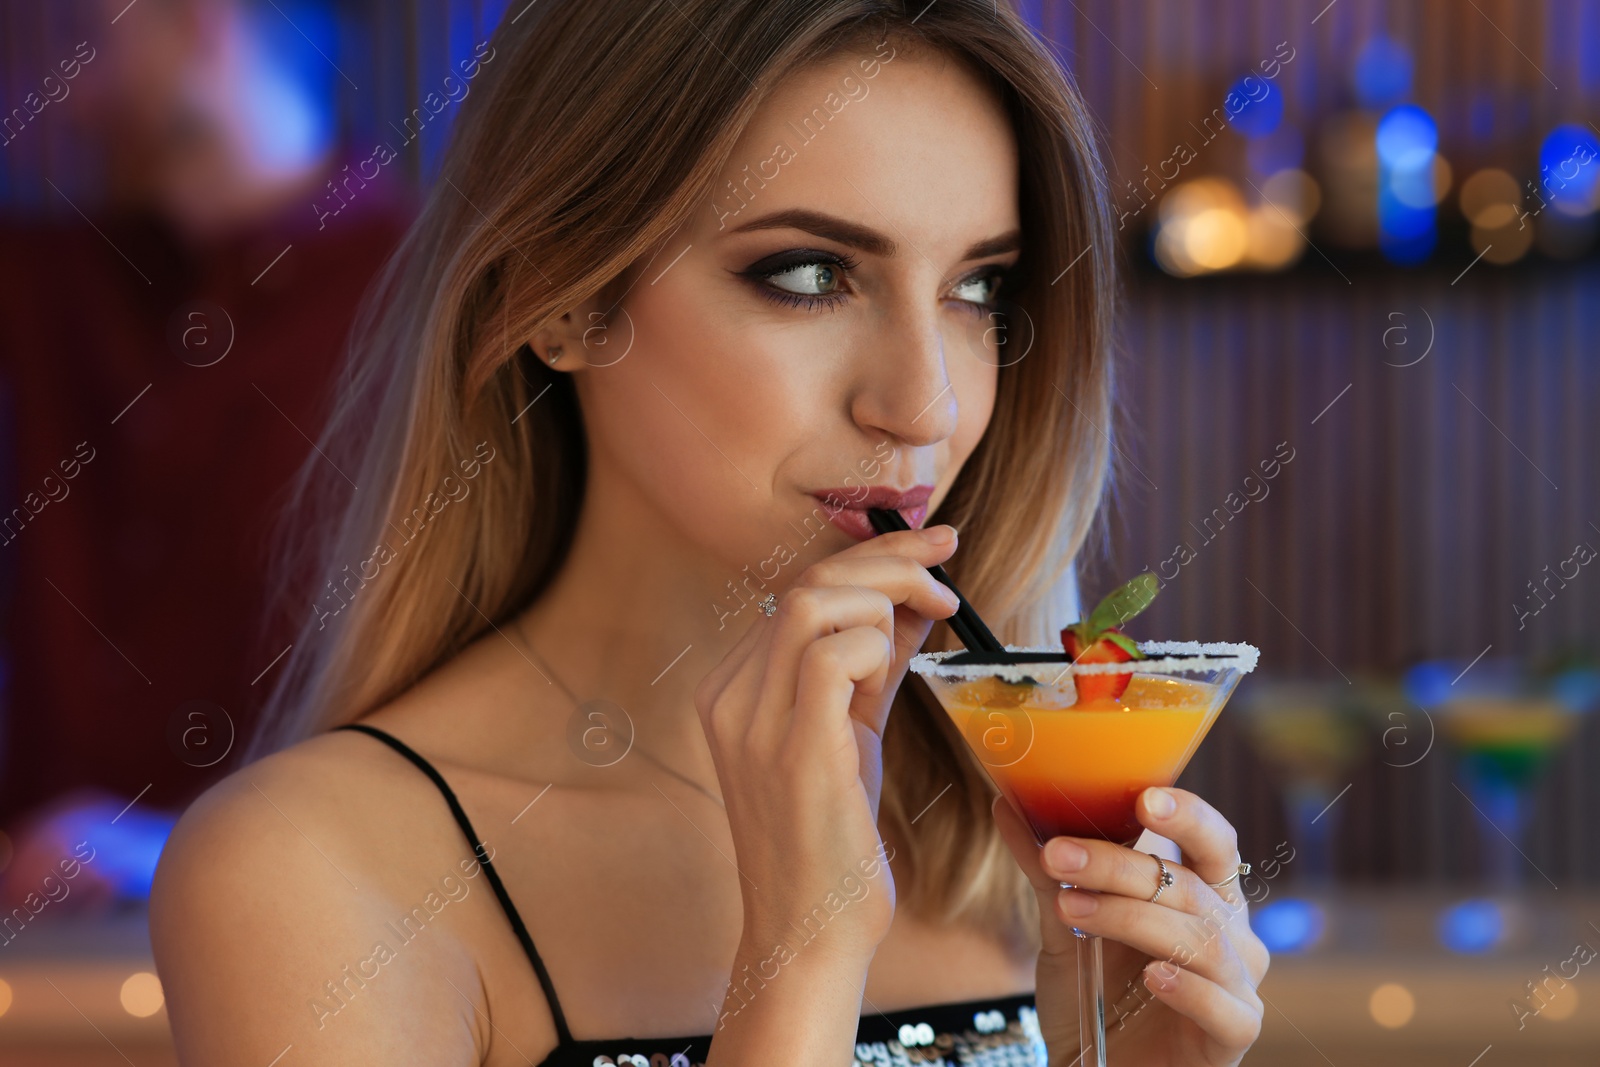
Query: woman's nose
(906,389)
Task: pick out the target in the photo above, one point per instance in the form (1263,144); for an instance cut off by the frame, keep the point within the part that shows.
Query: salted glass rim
(1184,656)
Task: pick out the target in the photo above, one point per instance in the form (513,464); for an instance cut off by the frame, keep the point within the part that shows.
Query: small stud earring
(555,353)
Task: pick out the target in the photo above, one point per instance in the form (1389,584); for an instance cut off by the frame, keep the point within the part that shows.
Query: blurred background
(1358,381)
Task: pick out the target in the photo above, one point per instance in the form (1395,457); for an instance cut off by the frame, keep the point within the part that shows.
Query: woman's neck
(630,617)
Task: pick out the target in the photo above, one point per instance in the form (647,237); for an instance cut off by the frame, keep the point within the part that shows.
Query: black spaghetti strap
(563,1035)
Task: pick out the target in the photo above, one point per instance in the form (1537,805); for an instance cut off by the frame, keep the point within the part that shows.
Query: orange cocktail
(1071,736)
(1077,770)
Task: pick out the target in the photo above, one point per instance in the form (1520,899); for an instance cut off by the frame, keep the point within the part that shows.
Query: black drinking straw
(965,622)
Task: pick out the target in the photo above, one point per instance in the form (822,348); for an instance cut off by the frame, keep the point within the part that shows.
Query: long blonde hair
(593,131)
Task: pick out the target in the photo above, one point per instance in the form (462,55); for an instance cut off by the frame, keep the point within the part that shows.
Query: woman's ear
(596,333)
(558,344)
(548,350)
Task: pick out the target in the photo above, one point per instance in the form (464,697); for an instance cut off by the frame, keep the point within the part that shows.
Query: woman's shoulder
(269,898)
(318,789)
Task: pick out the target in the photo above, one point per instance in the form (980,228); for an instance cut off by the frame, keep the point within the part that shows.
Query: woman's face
(822,323)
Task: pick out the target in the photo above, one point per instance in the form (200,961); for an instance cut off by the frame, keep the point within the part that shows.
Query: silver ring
(1164,880)
(769,605)
(1238,872)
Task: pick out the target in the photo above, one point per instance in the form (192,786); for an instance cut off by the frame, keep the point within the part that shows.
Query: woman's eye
(980,290)
(807,279)
(819,280)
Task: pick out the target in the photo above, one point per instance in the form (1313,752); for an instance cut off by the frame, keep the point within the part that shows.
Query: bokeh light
(1569,169)
(1423,187)
(1263,106)
(1216,238)
(1271,241)
(1296,193)
(1502,244)
(1382,72)
(1472,927)
(1289,925)
(1392,1005)
(1202,227)
(1562,1005)
(289,99)
(1205,225)
(1407,138)
(141,994)
(1490,198)
(1409,181)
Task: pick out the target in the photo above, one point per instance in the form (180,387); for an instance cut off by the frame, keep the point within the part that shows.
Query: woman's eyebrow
(864,237)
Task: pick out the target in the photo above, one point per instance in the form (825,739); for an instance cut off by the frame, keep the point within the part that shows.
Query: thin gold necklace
(576,703)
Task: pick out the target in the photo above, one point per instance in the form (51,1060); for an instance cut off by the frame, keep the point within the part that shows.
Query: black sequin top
(999,1032)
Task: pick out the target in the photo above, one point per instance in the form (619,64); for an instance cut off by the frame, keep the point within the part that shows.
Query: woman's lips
(847,508)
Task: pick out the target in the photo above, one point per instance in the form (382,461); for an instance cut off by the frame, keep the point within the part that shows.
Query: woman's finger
(1198,942)
(917,549)
(907,581)
(925,544)
(1208,841)
(830,669)
(1210,849)
(805,615)
(1109,868)
(1231,1022)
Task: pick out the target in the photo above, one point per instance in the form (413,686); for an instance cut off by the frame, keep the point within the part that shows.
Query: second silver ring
(1163,879)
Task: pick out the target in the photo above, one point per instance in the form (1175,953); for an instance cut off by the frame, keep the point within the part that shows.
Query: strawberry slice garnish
(1099,687)
(1098,639)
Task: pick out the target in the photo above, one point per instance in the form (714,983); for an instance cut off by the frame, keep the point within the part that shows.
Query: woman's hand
(794,715)
(1180,973)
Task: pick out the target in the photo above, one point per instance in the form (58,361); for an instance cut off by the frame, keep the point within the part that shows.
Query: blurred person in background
(168,328)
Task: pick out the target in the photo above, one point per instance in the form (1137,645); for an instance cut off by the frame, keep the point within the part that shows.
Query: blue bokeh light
(1569,167)
(1472,927)
(1288,925)
(1262,110)
(1578,688)
(289,81)
(1382,72)
(125,850)
(1427,684)
(291,131)
(1407,138)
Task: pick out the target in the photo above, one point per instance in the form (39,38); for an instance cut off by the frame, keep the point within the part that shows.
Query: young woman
(636,774)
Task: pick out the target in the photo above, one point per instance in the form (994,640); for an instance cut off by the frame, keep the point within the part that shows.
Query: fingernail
(1065,856)
(942,534)
(1162,803)
(1077,904)
(1161,975)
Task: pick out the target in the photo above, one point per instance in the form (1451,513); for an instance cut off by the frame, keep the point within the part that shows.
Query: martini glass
(1077,769)
(1311,734)
(1506,725)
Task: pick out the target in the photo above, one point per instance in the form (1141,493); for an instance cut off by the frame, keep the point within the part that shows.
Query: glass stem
(1312,820)
(1503,819)
(1091,1000)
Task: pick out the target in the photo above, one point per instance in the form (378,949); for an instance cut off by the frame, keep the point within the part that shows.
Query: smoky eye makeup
(801,277)
(816,279)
